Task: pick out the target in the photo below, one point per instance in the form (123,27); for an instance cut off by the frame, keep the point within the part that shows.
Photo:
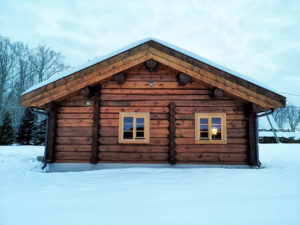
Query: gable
(198,70)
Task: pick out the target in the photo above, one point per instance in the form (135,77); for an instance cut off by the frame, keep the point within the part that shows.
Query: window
(134,128)
(210,128)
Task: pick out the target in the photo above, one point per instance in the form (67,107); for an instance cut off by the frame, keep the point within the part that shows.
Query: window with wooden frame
(210,128)
(134,127)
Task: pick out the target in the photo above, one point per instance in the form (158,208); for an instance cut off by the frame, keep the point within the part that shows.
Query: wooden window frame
(209,116)
(135,115)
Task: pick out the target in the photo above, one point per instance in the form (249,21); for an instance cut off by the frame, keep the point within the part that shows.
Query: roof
(173,56)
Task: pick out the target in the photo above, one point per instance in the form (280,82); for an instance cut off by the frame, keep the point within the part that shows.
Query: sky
(258,38)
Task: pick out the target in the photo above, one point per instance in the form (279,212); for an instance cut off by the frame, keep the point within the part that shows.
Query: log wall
(75,121)
(74,129)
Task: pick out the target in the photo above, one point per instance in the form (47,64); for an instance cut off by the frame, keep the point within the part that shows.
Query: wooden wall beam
(86,92)
(172,133)
(120,78)
(50,148)
(217,92)
(95,130)
(151,65)
(252,135)
(183,79)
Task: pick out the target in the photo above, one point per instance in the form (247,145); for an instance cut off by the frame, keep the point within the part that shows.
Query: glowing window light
(214,131)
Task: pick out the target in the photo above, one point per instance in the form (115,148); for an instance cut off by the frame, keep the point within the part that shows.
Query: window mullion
(209,128)
(198,127)
(134,127)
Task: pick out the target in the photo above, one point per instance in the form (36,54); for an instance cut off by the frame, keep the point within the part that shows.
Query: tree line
(20,68)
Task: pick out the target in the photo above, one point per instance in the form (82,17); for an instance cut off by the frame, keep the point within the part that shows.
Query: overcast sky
(259,38)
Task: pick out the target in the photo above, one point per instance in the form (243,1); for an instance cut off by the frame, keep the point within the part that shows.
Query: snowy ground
(270,195)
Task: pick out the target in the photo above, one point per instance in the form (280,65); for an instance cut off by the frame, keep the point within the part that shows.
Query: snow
(295,134)
(263,123)
(270,195)
(133,45)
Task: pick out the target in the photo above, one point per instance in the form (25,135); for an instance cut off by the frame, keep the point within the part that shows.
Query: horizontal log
(191,141)
(77,102)
(114,132)
(115,123)
(73,140)
(150,77)
(191,124)
(153,116)
(114,141)
(74,122)
(203,103)
(228,116)
(195,103)
(74,131)
(134,109)
(71,161)
(111,97)
(222,109)
(134,103)
(74,116)
(72,156)
(73,148)
(75,110)
(116,156)
(229,148)
(132,148)
(211,157)
(145,84)
(141,70)
(157,91)
(231,133)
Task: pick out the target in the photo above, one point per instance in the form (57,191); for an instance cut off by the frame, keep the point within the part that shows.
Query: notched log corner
(120,78)
(86,92)
(216,92)
(151,65)
(184,79)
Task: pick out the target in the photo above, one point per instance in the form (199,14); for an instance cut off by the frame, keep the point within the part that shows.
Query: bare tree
(20,68)
(279,116)
(7,59)
(292,113)
(46,62)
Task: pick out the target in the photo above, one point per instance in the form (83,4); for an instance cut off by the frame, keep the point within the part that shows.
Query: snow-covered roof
(133,45)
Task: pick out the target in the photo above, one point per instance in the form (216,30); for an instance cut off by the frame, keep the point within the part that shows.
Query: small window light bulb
(151,83)
(214,130)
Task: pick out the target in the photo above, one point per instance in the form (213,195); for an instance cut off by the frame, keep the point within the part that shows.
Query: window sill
(134,141)
(221,142)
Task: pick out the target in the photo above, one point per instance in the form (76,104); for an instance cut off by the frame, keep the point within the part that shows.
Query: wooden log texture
(75,121)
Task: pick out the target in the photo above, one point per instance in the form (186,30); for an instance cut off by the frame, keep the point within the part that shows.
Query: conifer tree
(6,131)
(40,132)
(26,128)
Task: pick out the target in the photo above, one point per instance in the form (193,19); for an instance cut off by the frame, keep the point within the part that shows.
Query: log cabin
(151,103)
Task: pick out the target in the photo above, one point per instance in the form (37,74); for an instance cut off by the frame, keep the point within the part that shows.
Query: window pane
(128,127)
(216,120)
(204,135)
(218,136)
(139,134)
(128,135)
(128,119)
(139,120)
(203,127)
(140,127)
(203,120)
(216,132)
(216,127)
